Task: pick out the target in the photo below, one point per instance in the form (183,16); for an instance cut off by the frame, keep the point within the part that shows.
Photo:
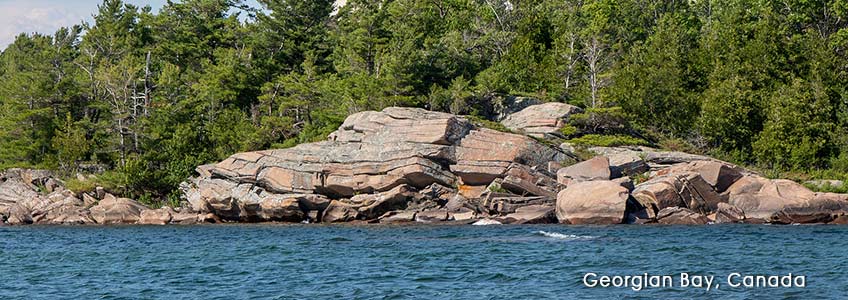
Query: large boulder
(183,217)
(372,206)
(597,168)
(540,120)
(339,211)
(532,214)
(760,198)
(432,216)
(397,124)
(592,202)
(680,216)
(685,189)
(160,216)
(507,204)
(114,210)
(523,180)
(727,213)
(822,208)
(717,174)
(485,154)
(402,216)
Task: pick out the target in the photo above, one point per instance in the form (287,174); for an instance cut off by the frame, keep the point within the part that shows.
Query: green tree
(655,82)
(795,135)
(71,145)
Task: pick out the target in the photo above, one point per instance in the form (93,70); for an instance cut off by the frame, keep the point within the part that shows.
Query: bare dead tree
(595,54)
(571,59)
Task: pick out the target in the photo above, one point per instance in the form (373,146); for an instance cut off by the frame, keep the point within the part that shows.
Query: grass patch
(480,122)
(608,141)
(639,178)
(80,186)
(569,130)
(826,187)
(496,187)
(677,144)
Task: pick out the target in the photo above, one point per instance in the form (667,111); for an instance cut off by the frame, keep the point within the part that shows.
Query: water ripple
(407,262)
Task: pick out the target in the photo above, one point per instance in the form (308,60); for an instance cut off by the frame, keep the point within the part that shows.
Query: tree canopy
(143,97)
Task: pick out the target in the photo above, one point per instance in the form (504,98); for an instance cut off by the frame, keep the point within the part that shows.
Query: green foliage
(149,96)
(569,130)
(607,140)
(483,123)
(70,144)
(827,187)
(795,136)
(639,178)
(677,144)
(583,153)
(654,83)
(606,120)
(496,188)
(80,186)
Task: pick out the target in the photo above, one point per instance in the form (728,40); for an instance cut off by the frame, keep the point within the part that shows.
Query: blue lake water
(411,262)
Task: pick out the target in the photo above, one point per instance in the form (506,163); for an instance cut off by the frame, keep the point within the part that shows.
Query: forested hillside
(141,97)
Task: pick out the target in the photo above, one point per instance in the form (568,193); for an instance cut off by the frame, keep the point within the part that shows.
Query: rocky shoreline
(405,165)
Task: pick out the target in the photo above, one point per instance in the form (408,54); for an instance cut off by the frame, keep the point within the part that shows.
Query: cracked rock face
(542,119)
(23,201)
(592,202)
(371,153)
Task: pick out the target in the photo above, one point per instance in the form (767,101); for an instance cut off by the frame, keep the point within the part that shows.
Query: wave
(567,237)
(485,222)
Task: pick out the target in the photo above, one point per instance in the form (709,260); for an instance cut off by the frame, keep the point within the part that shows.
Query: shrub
(80,186)
(569,130)
(609,120)
(608,140)
(480,122)
(677,144)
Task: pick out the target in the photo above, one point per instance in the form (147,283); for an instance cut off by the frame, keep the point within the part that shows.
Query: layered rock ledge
(407,165)
(395,165)
(38,197)
(404,165)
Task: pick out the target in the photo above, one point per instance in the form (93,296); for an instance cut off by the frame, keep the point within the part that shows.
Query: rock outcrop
(680,216)
(685,189)
(760,198)
(592,202)
(406,164)
(377,162)
(160,216)
(597,168)
(717,174)
(532,214)
(411,165)
(541,120)
(727,213)
(114,210)
(38,197)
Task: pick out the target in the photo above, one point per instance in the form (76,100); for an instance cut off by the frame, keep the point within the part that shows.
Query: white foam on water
(485,222)
(567,237)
